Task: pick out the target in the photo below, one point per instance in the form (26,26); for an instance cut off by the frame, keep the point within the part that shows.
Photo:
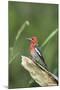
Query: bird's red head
(34,40)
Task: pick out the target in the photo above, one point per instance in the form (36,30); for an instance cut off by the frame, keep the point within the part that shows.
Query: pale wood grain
(39,73)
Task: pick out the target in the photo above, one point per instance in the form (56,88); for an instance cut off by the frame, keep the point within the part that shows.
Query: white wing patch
(38,51)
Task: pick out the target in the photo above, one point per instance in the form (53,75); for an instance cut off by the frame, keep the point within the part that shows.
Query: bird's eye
(32,39)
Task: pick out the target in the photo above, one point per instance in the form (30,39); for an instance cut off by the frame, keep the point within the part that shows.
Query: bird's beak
(29,39)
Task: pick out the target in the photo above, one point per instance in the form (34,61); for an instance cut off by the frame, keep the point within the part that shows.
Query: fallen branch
(39,73)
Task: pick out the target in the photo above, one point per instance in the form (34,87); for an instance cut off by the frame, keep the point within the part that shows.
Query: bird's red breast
(32,47)
(33,43)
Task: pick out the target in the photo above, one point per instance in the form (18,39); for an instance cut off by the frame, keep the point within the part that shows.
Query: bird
(36,52)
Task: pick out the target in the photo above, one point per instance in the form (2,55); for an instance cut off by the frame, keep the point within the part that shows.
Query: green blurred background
(43,20)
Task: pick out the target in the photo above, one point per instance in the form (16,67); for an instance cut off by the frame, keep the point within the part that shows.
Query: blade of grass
(14,57)
(49,37)
(26,23)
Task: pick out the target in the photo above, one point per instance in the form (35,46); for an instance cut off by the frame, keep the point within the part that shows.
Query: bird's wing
(40,55)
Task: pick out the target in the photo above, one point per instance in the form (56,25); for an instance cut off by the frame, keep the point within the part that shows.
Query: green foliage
(22,28)
(42,19)
(49,37)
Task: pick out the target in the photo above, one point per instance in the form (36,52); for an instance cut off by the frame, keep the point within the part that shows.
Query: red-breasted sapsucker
(35,51)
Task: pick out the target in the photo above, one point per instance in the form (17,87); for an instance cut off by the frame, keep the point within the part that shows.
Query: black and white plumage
(37,55)
(35,52)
